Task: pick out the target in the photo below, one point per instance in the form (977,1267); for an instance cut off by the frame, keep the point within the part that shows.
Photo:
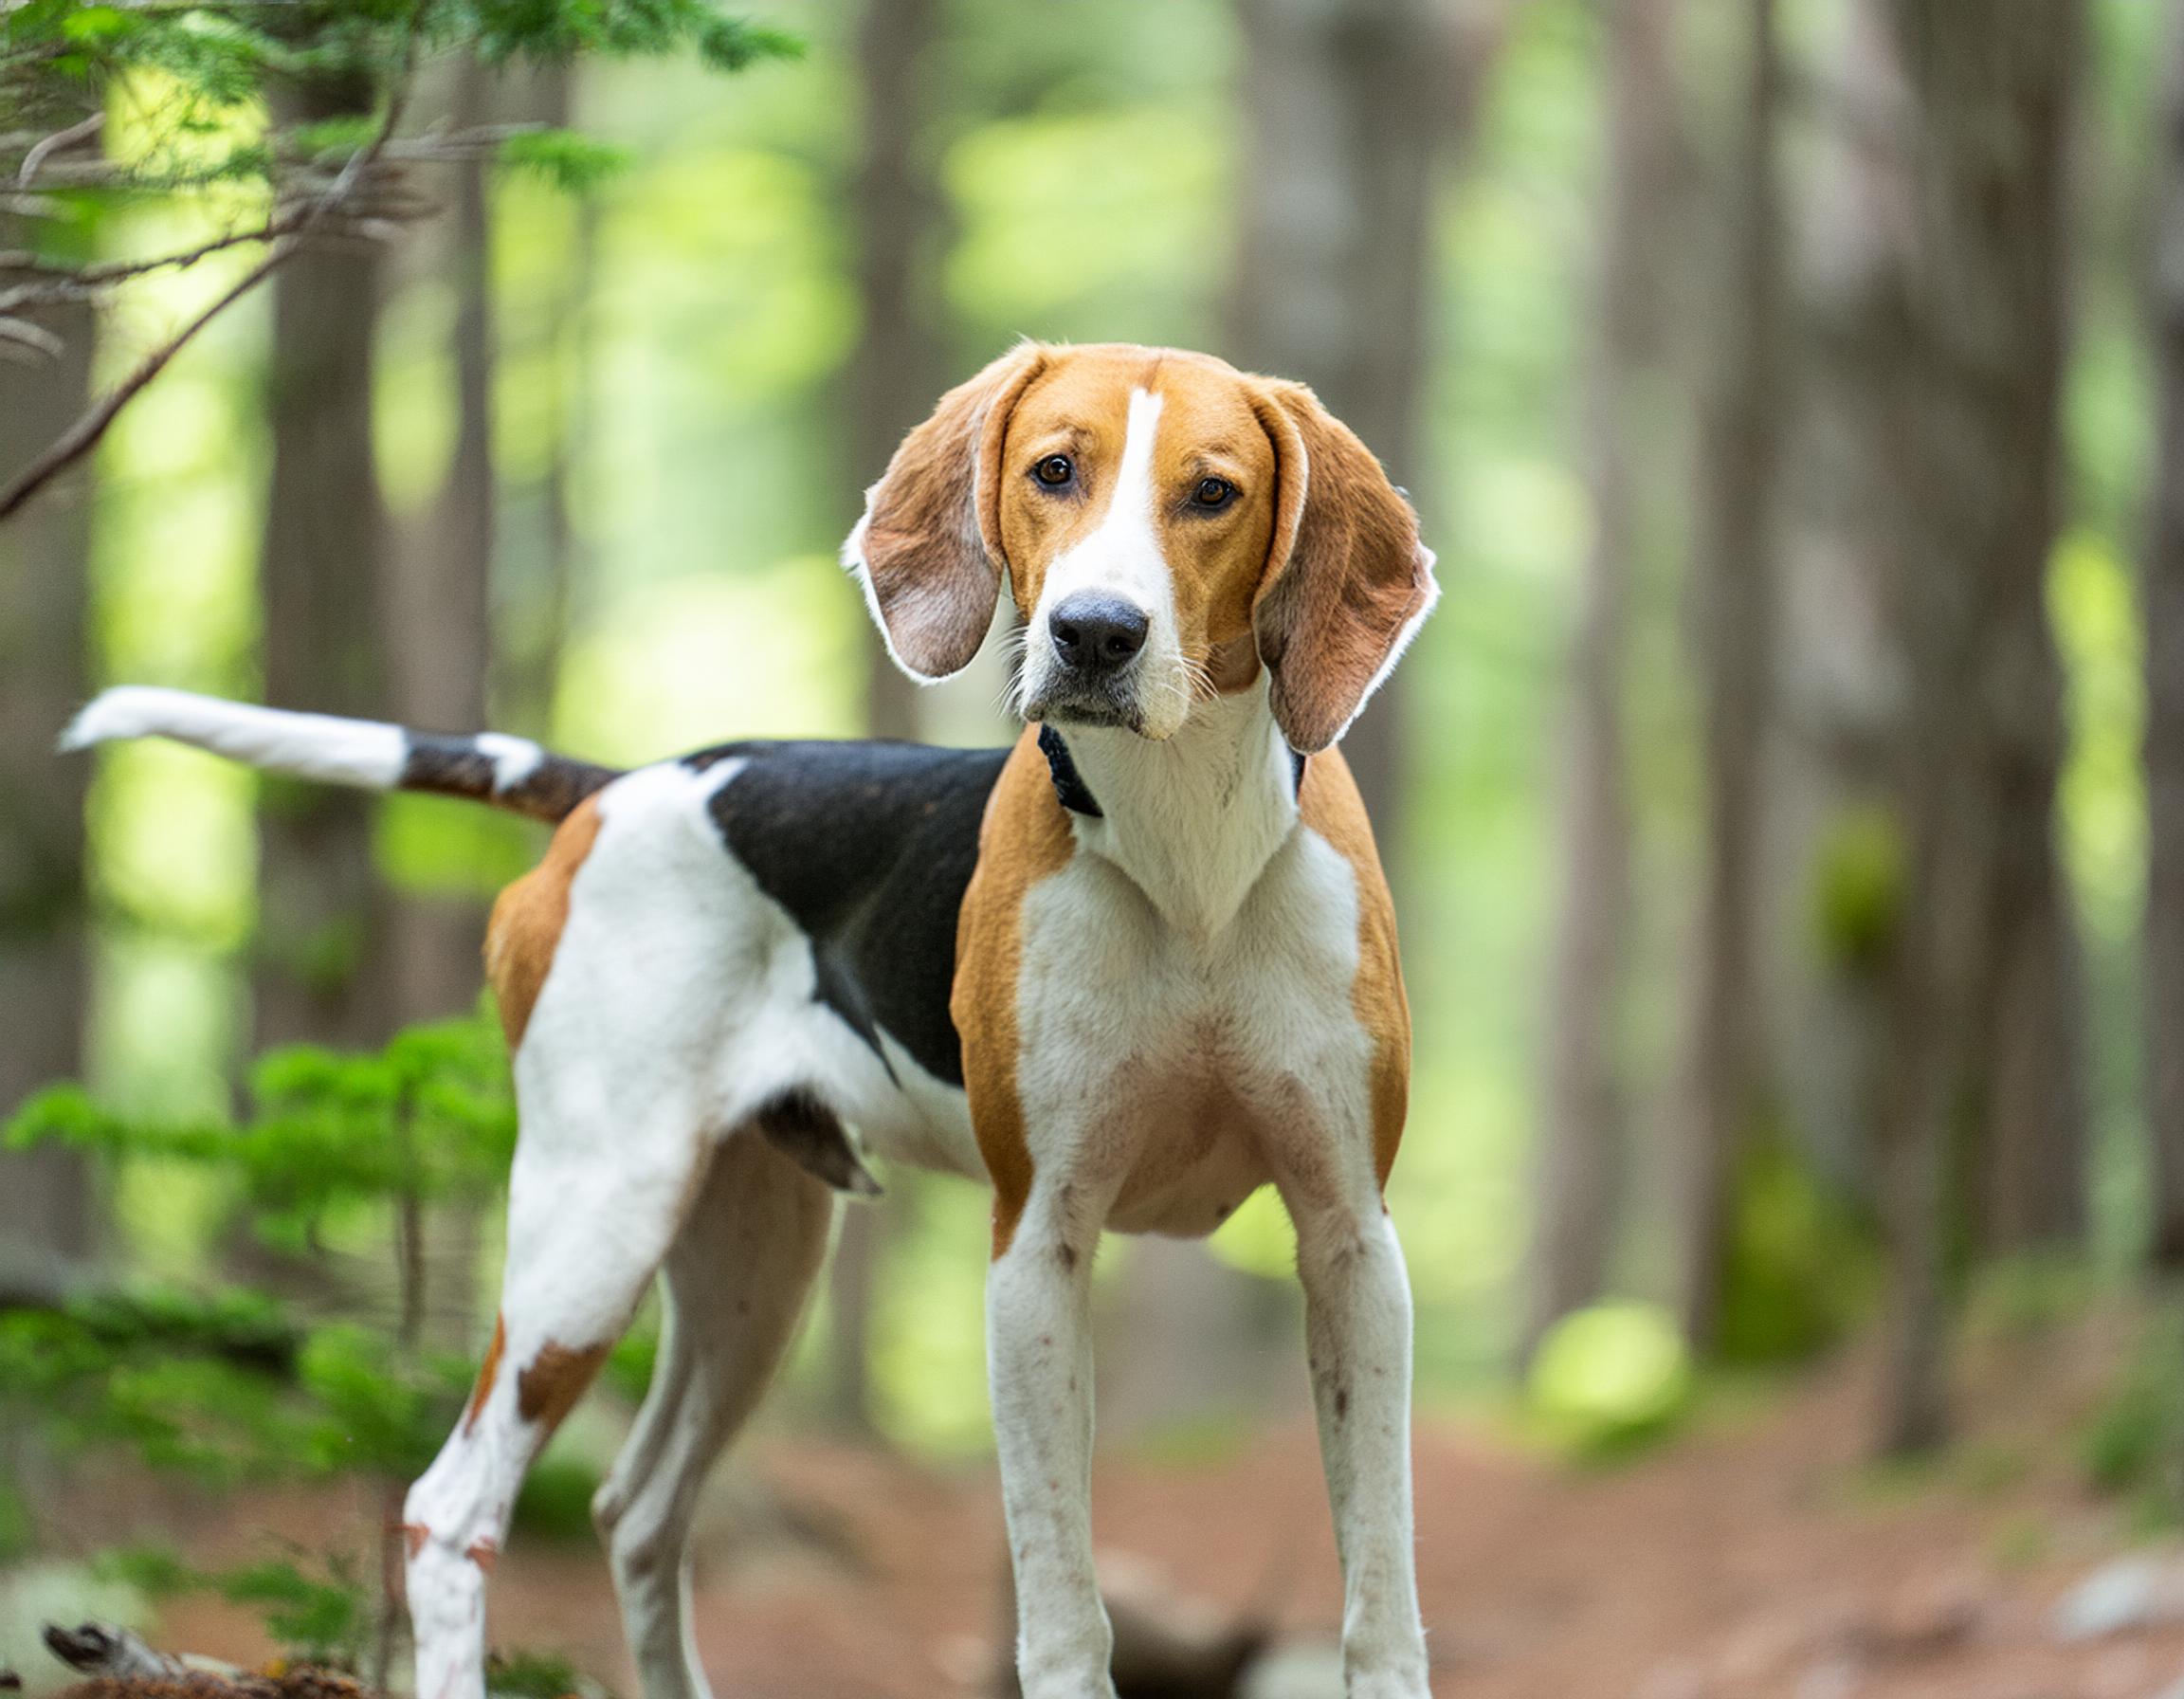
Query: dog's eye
(1054,471)
(1213,493)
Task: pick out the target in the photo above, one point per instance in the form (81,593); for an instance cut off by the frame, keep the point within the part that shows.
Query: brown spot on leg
(414,1534)
(549,1388)
(485,1554)
(527,920)
(488,1373)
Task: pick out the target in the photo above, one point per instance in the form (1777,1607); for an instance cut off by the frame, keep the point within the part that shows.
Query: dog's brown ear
(929,546)
(1347,580)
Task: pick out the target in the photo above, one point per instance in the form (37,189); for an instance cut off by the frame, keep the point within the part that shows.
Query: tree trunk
(438,632)
(1961,337)
(1347,104)
(897,369)
(1734,595)
(894,374)
(2031,1164)
(2163,596)
(45,1223)
(535,585)
(320,971)
(1581,1152)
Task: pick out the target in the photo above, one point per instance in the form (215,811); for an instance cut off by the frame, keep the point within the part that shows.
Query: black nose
(1095,632)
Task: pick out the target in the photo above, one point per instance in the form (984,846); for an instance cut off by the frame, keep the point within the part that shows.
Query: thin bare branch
(84,130)
(31,336)
(81,437)
(84,435)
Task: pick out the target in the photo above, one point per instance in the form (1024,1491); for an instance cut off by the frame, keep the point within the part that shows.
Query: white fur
(1187,1034)
(1193,820)
(515,759)
(680,999)
(1121,555)
(360,753)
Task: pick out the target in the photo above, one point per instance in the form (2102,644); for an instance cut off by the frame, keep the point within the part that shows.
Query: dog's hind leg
(736,1283)
(589,1218)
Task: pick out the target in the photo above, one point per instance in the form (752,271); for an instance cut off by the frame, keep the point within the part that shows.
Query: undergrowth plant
(227,1385)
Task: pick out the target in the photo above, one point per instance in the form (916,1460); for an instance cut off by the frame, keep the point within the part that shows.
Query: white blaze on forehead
(1122,554)
(1134,478)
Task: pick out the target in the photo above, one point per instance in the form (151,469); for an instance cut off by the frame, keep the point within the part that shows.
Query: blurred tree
(439,636)
(2162,594)
(45,1220)
(894,372)
(1949,343)
(535,587)
(1581,1145)
(317,973)
(1348,107)
(899,364)
(1733,593)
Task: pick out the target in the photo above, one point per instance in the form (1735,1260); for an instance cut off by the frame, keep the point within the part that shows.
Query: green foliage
(531,1675)
(630,1365)
(317,1610)
(2132,1446)
(1858,890)
(1608,1380)
(232,1385)
(200,75)
(570,162)
(555,1498)
(1800,1267)
(428,1119)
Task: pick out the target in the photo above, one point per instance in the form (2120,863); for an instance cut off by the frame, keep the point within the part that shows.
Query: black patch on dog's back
(869,847)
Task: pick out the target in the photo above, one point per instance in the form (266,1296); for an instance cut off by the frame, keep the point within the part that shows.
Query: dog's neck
(1194,819)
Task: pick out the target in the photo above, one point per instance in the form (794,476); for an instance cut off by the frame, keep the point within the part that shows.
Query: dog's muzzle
(1088,677)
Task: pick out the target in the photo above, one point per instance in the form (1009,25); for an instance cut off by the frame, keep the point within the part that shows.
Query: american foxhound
(1125,972)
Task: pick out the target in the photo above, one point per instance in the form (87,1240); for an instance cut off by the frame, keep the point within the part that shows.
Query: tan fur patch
(413,1536)
(488,1373)
(1024,838)
(528,918)
(485,1554)
(548,1389)
(1331,808)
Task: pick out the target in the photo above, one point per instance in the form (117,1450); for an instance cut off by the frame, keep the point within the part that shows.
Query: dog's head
(1168,525)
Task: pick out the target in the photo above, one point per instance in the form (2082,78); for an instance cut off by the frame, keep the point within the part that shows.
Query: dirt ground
(1756,1557)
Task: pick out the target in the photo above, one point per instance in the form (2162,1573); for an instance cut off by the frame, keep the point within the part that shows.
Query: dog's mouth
(1086,707)
(1053,696)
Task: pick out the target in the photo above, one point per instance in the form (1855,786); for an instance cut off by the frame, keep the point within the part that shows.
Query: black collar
(1076,795)
(1068,786)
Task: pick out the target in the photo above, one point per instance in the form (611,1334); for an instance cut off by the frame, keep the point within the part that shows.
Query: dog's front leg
(1039,1357)
(1357,1334)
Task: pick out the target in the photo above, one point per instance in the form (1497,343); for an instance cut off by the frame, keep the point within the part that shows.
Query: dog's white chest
(1178,1052)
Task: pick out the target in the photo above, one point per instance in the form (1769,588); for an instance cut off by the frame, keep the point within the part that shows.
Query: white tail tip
(126,711)
(334,751)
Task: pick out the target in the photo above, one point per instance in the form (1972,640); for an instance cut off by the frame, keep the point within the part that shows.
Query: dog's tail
(510,773)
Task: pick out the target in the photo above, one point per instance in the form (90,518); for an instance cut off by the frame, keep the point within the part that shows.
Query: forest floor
(1754,1556)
